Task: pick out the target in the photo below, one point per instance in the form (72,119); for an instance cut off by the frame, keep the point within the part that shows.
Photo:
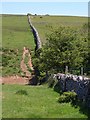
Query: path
(23,64)
(17,79)
(13,80)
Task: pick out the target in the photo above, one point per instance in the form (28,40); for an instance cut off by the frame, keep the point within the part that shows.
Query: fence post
(66,69)
(82,71)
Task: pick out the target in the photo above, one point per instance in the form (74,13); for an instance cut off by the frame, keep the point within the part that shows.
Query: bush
(70,94)
(68,97)
(63,99)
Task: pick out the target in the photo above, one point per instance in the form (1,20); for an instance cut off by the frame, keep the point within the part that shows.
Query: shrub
(68,97)
(63,99)
(71,95)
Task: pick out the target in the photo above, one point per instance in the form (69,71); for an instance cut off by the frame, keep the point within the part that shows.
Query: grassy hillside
(35,102)
(31,101)
(15,35)
(45,24)
(16,32)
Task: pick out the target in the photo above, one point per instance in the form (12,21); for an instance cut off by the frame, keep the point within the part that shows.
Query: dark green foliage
(57,87)
(51,81)
(65,47)
(42,75)
(68,97)
(21,92)
(71,95)
(38,52)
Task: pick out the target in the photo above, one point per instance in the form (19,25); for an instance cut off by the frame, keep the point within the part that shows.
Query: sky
(42,8)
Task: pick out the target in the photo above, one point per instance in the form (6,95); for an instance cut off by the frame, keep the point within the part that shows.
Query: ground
(25,101)
(18,79)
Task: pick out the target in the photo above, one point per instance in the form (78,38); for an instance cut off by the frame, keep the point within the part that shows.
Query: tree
(64,47)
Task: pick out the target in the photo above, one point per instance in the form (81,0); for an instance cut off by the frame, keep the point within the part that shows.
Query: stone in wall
(35,33)
(78,84)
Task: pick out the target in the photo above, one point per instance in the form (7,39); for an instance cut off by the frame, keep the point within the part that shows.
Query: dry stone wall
(35,33)
(78,84)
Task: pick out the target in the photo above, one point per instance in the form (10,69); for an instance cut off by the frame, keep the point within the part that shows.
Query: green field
(32,101)
(16,34)
(45,24)
(35,102)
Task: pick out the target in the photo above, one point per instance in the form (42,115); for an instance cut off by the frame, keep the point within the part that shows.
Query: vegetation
(65,47)
(21,92)
(68,97)
(63,38)
(10,62)
(36,102)
(16,34)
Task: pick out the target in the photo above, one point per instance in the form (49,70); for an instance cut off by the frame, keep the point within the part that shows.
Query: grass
(46,24)
(35,102)
(16,34)
(32,101)
(11,62)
